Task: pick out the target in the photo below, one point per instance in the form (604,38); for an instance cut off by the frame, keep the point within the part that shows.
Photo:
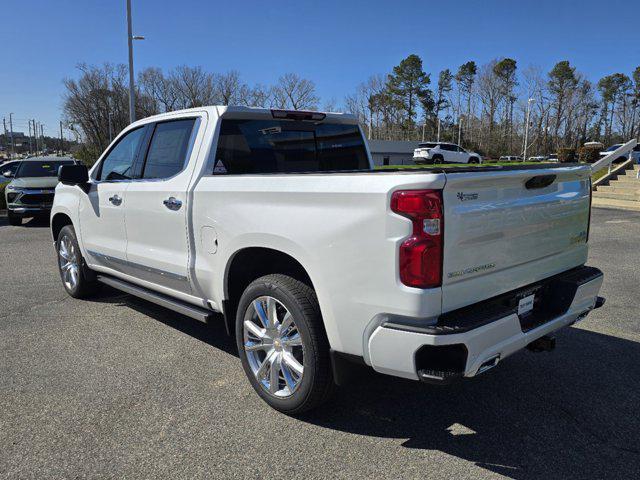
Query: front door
(156,216)
(101,210)
(463,156)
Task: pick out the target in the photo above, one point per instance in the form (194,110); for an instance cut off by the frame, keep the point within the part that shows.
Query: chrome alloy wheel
(273,346)
(68,262)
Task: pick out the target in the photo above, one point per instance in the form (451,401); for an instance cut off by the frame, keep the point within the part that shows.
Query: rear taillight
(421,253)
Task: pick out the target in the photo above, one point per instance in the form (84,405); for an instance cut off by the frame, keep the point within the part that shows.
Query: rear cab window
(288,146)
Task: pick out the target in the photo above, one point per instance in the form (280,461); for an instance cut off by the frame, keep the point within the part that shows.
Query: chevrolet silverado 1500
(277,220)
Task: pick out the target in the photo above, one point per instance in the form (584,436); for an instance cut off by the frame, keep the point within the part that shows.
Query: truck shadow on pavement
(212,333)
(571,413)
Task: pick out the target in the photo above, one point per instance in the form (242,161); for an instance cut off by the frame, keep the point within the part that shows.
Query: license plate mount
(525,304)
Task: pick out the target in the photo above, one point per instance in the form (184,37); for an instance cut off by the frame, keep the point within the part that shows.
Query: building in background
(392,152)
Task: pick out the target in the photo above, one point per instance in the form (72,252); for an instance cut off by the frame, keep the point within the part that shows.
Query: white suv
(441,152)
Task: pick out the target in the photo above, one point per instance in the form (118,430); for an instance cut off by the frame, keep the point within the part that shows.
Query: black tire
(316,383)
(474,160)
(86,284)
(15,220)
(437,159)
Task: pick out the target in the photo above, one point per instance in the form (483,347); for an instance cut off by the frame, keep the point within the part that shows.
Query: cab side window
(13,168)
(118,164)
(168,149)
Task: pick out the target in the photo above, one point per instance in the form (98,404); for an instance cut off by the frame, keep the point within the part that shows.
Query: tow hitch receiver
(542,344)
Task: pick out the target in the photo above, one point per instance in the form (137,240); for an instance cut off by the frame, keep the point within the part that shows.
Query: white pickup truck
(277,220)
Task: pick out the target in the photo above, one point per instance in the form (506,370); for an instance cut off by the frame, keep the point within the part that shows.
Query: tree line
(483,106)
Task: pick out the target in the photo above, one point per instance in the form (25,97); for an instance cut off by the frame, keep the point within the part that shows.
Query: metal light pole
(13,146)
(30,137)
(438,130)
(526,129)
(61,140)
(131,38)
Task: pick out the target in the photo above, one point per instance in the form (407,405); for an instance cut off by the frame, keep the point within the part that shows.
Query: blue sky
(337,44)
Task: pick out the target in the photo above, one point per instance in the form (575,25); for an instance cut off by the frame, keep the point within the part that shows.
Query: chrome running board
(193,311)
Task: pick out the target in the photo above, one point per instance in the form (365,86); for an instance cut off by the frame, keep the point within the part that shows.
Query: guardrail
(607,160)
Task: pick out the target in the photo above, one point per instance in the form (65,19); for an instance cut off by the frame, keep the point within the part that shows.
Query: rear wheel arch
(251,263)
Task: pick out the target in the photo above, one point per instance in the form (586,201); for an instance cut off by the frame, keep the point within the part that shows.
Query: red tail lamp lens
(420,259)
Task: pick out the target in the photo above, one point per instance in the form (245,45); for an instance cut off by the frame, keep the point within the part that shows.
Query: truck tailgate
(507,229)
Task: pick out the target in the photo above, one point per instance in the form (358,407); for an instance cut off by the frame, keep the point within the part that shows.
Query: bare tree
(193,86)
(159,88)
(294,92)
(490,94)
(260,96)
(230,90)
(99,97)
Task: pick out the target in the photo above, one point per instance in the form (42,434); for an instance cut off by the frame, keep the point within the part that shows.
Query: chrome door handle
(116,200)
(172,203)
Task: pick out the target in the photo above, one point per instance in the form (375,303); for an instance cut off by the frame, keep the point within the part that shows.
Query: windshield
(41,168)
(271,146)
(613,147)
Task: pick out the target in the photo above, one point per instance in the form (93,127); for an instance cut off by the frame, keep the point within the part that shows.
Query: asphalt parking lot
(117,387)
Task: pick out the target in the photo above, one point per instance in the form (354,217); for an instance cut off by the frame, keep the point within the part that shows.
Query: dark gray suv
(31,191)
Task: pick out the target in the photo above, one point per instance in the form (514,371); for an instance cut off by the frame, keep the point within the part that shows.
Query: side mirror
(7,174)
(73,174)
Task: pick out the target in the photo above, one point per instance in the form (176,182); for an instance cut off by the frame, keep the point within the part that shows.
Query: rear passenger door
(157,206)
(449,153)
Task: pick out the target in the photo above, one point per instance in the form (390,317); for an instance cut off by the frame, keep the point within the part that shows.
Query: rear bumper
(473,347)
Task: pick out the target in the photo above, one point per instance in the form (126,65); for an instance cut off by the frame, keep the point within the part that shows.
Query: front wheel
(282,344)
(474,160)
(77,279)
